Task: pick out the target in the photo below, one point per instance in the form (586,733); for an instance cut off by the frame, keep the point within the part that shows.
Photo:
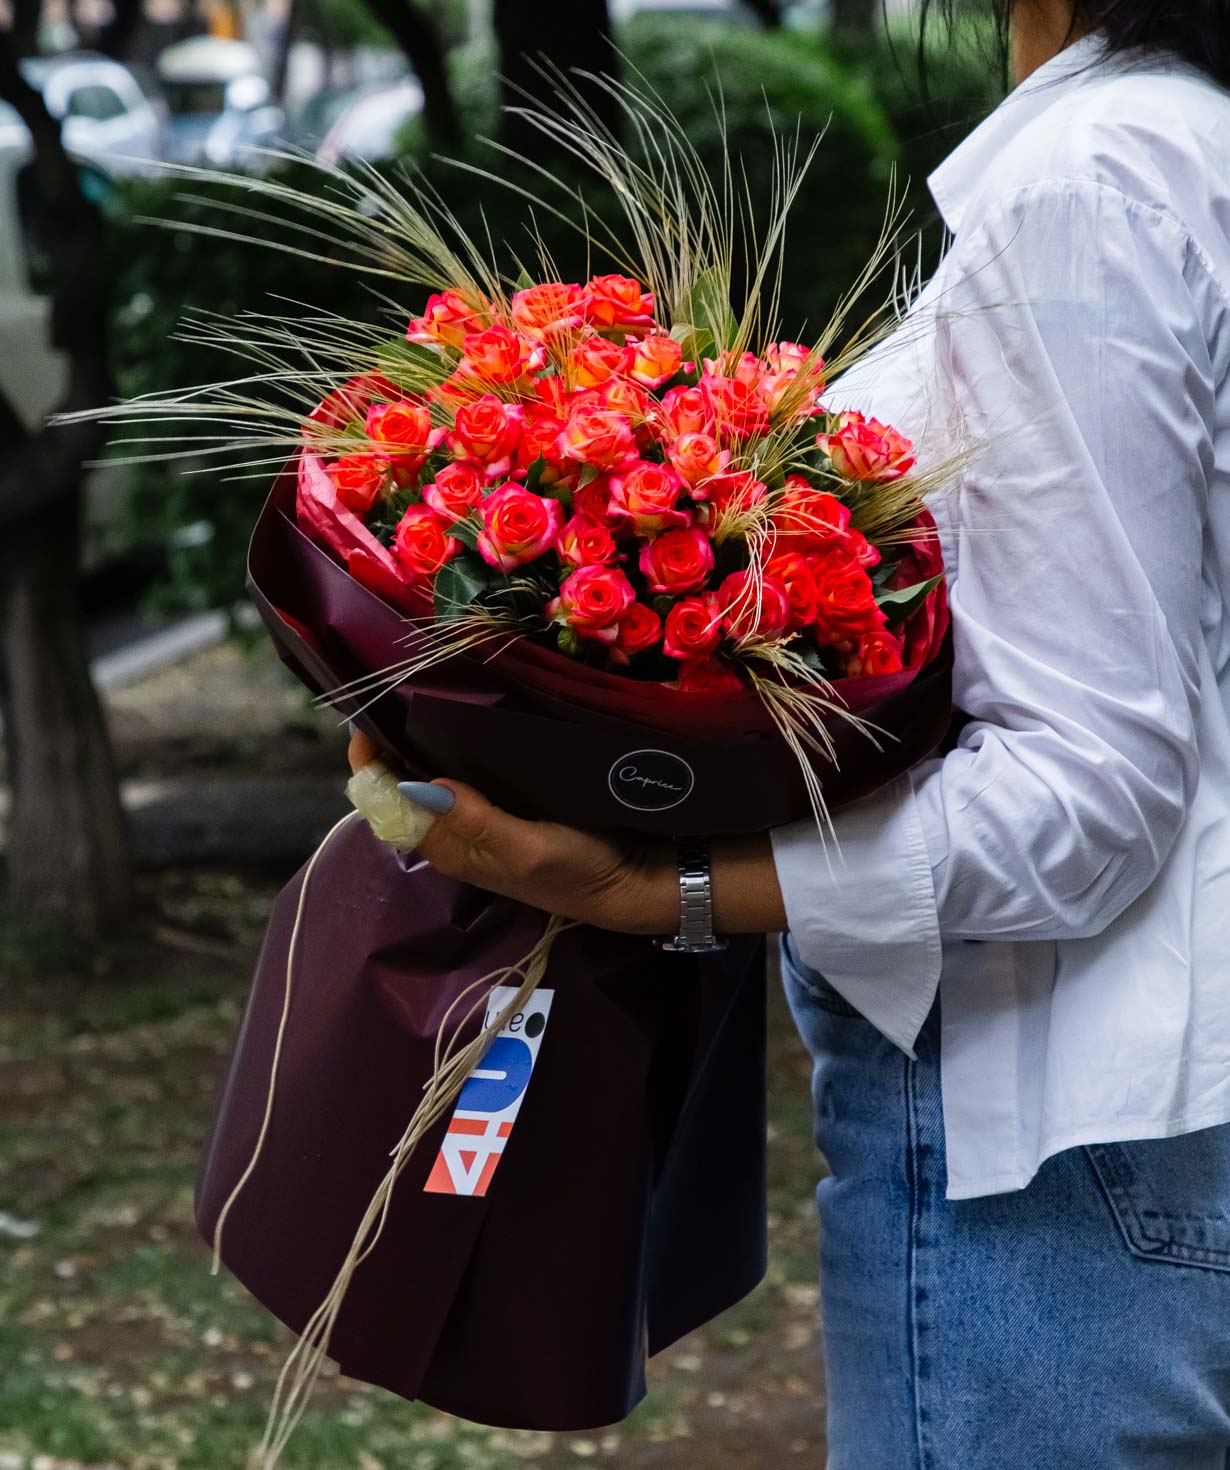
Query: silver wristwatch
(695,934)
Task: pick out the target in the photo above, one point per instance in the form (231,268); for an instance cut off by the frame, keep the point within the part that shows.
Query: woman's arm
(631,888)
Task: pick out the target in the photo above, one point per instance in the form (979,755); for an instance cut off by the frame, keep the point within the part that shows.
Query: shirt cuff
(862,912)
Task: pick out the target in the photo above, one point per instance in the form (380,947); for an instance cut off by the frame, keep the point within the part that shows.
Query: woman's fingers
(361,751)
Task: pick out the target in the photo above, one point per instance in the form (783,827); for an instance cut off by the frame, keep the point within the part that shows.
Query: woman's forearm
(747,898)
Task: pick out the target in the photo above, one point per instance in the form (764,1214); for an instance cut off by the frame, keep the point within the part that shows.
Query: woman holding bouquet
(1013,979)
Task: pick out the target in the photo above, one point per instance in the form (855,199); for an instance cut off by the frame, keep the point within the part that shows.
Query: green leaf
(589,473)
(457,584)
(410,366)
(534,474)
(466,531)
(706,308)
(900,604)
(810,655)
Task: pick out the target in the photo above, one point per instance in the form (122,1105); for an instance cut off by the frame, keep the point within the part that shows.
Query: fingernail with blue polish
(352,727)
(438,799)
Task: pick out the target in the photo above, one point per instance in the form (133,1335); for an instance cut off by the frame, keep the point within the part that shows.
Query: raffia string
(452,1064)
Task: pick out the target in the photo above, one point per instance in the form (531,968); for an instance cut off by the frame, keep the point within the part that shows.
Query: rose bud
(421,542)
(755,608)
(738,410)
(693,627)
(677,561)
(456,490)
(446,321)
(488,432)
(594,360)
(655,359)
(585,542)
(592,601)
(687,411)
(697,458)
(498,357)
(865,449)
(646,497)
(845,598)
(598,436)
(639,629)
(810,518)
(518,526)
(617,302)
(794,571)
(876,653)
(358,480)
(708,676)
(549,310)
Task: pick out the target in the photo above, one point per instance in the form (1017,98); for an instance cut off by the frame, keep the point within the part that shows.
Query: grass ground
(119,1350)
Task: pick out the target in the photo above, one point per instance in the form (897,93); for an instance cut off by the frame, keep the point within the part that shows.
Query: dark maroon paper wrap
(627,1209)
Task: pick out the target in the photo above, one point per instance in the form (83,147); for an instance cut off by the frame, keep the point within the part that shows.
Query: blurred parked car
(104,115)
(368,126)
(219,101)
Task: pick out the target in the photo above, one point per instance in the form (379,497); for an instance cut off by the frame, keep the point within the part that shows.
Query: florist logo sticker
(651,780)
(491,1098)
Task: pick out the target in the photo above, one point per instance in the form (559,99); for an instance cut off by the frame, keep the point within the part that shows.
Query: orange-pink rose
(654,360)
(754,608)
(585,541)
(591,602)
(497,357)
(598,436)
(488,432)
(646,497)
(845,599)
(548,310)
(358,479)
(708,676)
(693,627)
(518,526)
(865,449)
(639,629)
(421,542)
(617,302)
(677,561)
(794,572)
(697,458)
(875,653)
(456,490)
(738,410)
(687,411)
(446,320)
(595,360)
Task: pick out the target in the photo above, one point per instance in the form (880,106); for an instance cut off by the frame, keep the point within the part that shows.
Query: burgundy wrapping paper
(546,737)
(628,1207)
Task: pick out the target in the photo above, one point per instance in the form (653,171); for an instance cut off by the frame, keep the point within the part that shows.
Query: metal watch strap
(695,934)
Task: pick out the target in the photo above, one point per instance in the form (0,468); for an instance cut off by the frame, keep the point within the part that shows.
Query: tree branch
(416,33)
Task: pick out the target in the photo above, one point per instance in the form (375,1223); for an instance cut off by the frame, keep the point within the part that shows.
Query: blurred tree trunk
(855,20)
(281,57)
(416,32)
(562,35)
(67,853)
(116,38)
(767,12)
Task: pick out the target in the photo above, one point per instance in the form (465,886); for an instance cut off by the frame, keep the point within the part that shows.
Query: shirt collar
(953,184)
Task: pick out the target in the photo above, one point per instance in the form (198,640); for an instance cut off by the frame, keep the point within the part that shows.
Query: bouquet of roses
(594,548)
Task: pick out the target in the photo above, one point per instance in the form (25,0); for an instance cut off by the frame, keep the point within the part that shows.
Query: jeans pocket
(1170,1196)
(814,986)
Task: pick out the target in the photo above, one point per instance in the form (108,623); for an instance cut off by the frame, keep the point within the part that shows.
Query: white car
(368,126)
(220,102)
(104,115)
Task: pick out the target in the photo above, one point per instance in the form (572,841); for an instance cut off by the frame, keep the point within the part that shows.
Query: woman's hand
(612,885)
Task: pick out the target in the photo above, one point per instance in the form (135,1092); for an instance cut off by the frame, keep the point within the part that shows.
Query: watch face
(650,780)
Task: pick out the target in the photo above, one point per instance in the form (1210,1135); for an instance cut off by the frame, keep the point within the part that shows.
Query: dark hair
(1198,30)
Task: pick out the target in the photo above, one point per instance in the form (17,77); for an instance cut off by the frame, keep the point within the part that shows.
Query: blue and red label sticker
(491,1097)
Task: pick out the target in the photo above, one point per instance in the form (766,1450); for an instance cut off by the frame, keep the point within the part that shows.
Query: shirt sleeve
(1070,344)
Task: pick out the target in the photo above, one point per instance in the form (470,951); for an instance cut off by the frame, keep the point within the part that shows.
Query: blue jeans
(1082,1323)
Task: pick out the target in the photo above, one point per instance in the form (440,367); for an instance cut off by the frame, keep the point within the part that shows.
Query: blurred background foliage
(864,99)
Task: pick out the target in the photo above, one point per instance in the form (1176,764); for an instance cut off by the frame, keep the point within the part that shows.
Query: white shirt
(1063,875)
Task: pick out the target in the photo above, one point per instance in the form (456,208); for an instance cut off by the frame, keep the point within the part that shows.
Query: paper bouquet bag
(597,1191)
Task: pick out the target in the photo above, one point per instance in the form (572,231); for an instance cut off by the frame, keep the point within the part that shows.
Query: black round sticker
(651,780)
